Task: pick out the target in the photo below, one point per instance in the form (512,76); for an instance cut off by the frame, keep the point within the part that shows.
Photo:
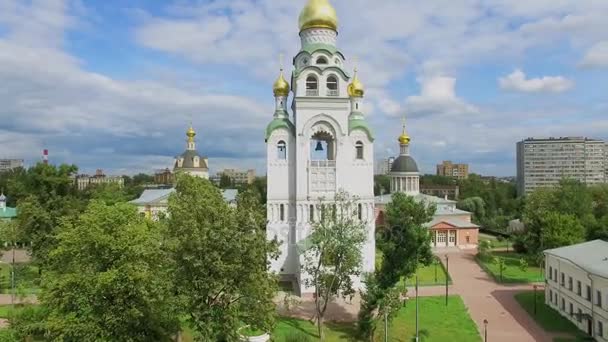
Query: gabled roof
(454,222)
(384,199)
(154,196)
(592,256)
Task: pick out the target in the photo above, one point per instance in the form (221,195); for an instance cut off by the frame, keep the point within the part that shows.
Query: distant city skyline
(113,86)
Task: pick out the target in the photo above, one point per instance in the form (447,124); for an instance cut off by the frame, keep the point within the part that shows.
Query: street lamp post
(485,330)
(535,287)
(417,337)
(447,270)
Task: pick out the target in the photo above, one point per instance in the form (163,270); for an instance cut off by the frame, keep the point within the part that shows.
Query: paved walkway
(485,299)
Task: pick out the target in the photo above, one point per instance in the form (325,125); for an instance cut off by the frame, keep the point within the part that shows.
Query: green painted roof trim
(310,48)
(279,123)
(8,213)
(296,73)
(354,124)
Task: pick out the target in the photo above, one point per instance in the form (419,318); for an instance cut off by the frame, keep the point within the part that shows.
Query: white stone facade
(577,290)
(298,174)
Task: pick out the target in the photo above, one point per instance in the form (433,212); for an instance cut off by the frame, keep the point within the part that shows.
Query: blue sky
(113,84)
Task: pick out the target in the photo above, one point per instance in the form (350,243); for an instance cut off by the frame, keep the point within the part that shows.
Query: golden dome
(404,139)
(355,88)
(281,86)
(190,133)
(318,14)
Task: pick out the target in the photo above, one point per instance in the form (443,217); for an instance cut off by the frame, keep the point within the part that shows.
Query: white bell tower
(324,147)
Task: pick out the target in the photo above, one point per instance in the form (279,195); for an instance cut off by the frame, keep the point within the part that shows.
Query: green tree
(221,260)
(333,253)
(502,266)
(382,185)
(404,243)
(483,248)
(108,279)
(226,182)
(561,230)
(109,193)
(475,205)
(523,264)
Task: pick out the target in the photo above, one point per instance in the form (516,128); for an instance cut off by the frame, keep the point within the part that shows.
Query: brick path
(485,299)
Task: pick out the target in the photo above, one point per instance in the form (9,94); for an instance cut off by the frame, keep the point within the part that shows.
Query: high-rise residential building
(236,176)
(545,162)
(10,164)
(85,181)
(383,166)
(449,169)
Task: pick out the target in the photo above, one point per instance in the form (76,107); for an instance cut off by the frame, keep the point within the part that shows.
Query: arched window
(359,148)
(282,212)
(282,150)
(312,86)
(321,60)
(360,211)
(332,86)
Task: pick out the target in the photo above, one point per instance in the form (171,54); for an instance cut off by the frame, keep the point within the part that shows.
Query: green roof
(279,123)
(8,212)
(310,48)
(354,124)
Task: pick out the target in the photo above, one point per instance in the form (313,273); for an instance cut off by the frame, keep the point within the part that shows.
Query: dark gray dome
(189,156)
(404,164)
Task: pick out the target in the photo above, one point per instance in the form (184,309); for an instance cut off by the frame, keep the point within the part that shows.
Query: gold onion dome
(355,88)
(318,14)
(404,139)
(190,133)
(281,86)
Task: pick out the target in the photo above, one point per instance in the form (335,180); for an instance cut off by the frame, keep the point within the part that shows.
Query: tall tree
(108,279)
(221,260)
(333,252)
(561,230)
(475,205)
(405,244)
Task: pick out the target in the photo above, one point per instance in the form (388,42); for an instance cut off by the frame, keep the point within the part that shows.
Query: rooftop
(384,199)
(455,222)
(559,139)
(591,256)
(8,213)
(160,196)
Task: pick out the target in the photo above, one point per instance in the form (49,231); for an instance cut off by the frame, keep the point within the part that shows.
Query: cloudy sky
(113,84)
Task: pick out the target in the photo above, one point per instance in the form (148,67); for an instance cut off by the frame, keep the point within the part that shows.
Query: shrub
(500,238)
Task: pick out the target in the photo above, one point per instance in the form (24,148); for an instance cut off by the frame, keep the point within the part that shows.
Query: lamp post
(485,330)
(535,287)
(447,270)
(417,337)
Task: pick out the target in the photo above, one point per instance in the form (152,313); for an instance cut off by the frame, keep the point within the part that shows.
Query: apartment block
(237,176)
(449,169)
(545,162)
(577,285)
(85,181)
(9,164)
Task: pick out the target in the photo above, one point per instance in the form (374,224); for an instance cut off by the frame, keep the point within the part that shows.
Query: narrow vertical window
(311,213)
(359,148)
(282,212)
(281,150)
(332,86)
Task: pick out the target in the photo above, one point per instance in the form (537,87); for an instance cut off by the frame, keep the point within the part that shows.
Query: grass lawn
(438,323)
(6,310)
(549,319)
(426,274)
(494,240)
(26,276)
(512,273)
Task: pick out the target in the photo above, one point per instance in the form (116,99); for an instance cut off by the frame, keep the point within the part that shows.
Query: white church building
(323,146)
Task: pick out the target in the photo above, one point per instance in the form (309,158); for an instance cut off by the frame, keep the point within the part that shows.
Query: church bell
(319,146)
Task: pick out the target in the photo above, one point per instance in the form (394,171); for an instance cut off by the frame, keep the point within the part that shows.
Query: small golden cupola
(318,14)
(355,88)
(191,133)
(404,139)
(281,86)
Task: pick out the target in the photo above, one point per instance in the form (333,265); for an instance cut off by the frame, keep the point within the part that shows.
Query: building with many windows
(85,181)
(237,177)
(383,166)
(449,169)
(450,191)
(10,164)
(545,162)
(577,285)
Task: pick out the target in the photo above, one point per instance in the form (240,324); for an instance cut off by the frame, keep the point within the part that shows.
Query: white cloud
(438,96)
(517,81)
(596,56)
